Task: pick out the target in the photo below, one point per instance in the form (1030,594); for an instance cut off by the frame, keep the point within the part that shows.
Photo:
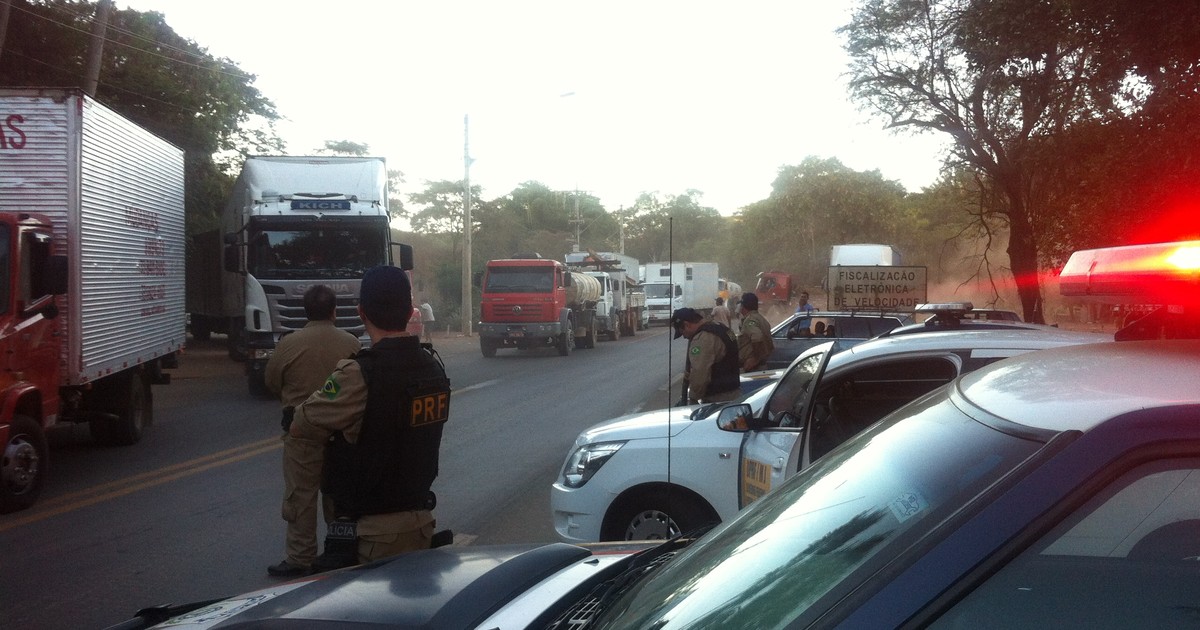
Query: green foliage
(346,147)
(168,84)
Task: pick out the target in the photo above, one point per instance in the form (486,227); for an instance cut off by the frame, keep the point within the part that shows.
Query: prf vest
(726,373)
(395,460)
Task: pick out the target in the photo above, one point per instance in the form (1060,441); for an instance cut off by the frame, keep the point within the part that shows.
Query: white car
(658,474)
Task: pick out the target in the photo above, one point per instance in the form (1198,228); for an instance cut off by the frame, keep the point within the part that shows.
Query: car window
(854,327)
(789,393)
(881,325)
(1130,557)
(846,405)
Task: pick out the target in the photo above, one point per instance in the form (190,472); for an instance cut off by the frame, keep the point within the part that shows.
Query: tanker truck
(533,302)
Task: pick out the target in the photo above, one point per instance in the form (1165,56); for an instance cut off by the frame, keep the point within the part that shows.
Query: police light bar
(959,308)
(1162,273)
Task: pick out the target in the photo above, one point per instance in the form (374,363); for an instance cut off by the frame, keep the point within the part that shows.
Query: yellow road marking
(128,485)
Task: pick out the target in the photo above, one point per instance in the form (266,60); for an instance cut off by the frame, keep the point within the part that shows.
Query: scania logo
(517,310)
(340,289)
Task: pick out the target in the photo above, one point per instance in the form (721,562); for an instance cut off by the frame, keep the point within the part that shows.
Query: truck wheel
(565,341)
(656,515)
(132,404)
(613,334)
(488,348)
(24,465)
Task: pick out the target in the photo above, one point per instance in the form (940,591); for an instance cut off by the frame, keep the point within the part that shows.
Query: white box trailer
(673,285)
(114,193)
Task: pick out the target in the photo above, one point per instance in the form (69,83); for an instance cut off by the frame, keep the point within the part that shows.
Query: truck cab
(29,348)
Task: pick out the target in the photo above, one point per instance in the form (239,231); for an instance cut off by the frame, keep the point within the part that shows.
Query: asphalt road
(192,511)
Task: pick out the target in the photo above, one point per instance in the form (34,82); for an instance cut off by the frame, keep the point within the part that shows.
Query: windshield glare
(826,529)
(657,290)
(789,394)
(315,252)
(520,280)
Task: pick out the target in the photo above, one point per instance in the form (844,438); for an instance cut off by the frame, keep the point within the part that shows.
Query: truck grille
(291,315)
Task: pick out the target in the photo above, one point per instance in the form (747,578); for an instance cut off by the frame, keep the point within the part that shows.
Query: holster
(286,422)
(341,546)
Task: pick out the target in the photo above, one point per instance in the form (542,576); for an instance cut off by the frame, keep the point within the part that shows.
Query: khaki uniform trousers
(302,462)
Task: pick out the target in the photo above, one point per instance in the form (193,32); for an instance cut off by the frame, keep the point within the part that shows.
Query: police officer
(712,363)
(298,367)
(754,339)
(383,411)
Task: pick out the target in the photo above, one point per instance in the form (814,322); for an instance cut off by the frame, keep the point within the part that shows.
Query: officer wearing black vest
(382,413)
(712,371)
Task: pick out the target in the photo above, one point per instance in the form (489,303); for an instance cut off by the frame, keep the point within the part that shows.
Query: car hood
(649,424)
(447,587)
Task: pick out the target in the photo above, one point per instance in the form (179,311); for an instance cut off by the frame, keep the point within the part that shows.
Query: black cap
(750,301)
(681,315)
(386,287)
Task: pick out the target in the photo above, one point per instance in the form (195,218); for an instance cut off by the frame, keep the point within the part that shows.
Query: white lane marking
(475,386)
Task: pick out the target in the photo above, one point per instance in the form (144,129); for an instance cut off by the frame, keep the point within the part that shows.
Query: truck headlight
(586,460)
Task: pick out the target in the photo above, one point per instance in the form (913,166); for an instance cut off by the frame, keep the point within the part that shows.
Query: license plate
(516,333)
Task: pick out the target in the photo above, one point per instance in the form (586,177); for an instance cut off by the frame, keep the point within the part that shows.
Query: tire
(201,328)
(613,334)
(488,348)
(23,467)
(655,515)
(590,338)
(130,403)
(565,341)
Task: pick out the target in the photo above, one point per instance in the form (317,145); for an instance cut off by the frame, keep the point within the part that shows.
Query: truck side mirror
(232,264)
(402,256)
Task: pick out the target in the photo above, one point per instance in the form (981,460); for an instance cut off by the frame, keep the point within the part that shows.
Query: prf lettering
(430,408)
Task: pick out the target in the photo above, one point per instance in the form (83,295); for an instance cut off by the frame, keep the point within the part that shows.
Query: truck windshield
(299,252)
(519,280)
(658,291)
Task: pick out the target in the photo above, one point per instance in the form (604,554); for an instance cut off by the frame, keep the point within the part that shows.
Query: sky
(615,98)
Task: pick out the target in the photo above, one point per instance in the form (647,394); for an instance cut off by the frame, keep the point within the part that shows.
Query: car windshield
(826,529)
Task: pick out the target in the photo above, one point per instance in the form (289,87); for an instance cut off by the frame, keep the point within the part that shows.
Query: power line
(206,66)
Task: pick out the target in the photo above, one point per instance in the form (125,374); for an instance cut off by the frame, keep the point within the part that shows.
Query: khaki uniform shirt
(303,360)
(754,341)
(339,406)
(704,350)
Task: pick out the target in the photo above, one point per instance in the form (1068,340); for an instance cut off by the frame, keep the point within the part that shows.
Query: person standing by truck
(298,367)
(754,340)
(384,411)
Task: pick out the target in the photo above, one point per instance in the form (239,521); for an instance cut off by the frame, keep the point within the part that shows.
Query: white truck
(863,254)
(92,253)
(870,277)
(292,222)
(674,285)
(621,309)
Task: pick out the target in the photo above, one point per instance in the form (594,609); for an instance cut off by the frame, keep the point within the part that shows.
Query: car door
(767,449)
(832,409)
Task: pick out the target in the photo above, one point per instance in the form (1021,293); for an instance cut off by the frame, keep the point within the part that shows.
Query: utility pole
(96,51)
(467,308)
(4,8)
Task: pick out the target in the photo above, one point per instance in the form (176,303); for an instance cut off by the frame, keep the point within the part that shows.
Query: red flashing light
(1161,273)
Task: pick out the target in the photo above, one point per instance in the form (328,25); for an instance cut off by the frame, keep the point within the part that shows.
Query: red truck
(536,302)
(92,280)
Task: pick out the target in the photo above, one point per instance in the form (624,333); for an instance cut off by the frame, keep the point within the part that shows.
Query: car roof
(966,323)
(1079,387)
(946,340)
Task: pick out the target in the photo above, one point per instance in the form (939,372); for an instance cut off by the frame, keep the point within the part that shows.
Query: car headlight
(586,460)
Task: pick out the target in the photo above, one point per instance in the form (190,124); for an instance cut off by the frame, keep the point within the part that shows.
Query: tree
(168,84)
(1007,79)
(814,205)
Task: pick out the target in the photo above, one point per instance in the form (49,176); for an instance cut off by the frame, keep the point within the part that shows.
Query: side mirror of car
(735,418)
